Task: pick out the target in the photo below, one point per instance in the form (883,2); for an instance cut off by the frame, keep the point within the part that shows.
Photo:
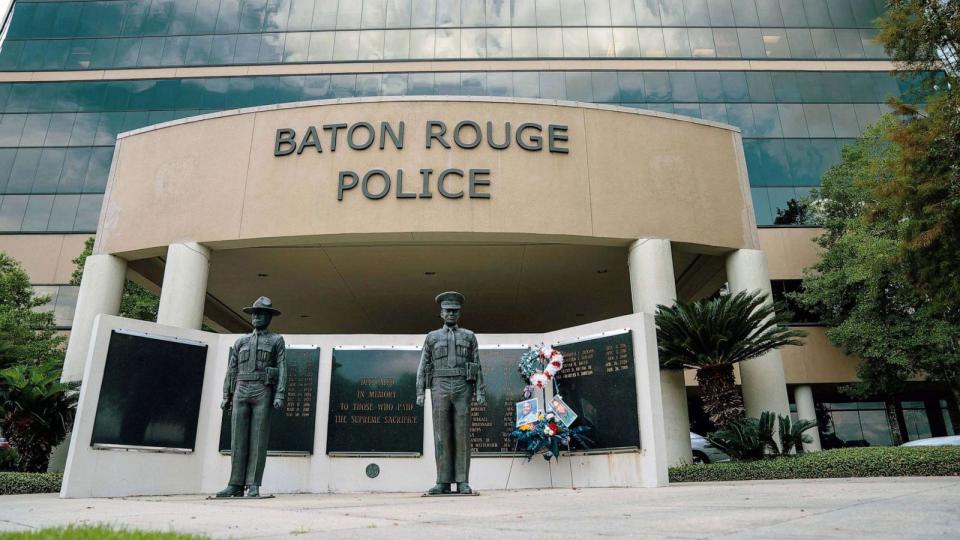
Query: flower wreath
(540,365)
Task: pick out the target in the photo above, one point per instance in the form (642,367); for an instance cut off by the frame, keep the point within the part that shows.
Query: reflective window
(56,139)
(861,423)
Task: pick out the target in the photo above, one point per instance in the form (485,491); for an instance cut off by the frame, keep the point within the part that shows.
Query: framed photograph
(527,411)
(563,411)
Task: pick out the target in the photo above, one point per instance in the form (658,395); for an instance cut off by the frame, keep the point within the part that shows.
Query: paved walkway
(872,508)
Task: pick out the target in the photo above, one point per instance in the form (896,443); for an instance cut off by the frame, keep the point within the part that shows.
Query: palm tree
(712,335)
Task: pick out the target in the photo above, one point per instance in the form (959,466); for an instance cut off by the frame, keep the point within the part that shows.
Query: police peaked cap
(262,304)
(450,300)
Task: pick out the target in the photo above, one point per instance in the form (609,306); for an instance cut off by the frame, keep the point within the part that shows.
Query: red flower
(553,427)
(555,364)
(547,375)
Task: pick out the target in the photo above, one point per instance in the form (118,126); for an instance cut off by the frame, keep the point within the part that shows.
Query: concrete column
(652,283)
(100,291)
(803,397)
(184,286)
(763,383)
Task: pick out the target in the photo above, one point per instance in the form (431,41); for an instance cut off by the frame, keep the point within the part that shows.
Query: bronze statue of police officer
(256,379)
(450,368)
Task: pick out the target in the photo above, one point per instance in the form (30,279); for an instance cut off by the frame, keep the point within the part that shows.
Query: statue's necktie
(451,347)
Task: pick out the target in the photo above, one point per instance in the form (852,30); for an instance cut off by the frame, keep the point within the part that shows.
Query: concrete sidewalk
(875,508)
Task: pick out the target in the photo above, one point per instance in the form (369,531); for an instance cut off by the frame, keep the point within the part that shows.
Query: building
(798,78)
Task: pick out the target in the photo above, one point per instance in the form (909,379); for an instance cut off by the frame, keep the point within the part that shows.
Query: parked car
(4,444)
(952,440)
(704,452)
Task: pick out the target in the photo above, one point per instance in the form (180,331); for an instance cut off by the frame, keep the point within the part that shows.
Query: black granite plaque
(373,406)
(493,422)
(598,381)
(292,430)
(150,394)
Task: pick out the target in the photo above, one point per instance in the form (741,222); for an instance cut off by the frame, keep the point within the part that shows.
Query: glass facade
(56,139)
(149,33)
(62,301)
(846,423)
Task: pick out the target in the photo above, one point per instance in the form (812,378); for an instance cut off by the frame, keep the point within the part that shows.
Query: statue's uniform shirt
(256,374)
(445,369)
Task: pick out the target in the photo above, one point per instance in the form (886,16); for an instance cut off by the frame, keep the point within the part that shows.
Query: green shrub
(753,438)
(8,459)
(96,532)
(840,463)
(16,483)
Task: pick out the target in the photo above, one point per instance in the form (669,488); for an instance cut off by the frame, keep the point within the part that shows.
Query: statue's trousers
(250,433)
(450,397)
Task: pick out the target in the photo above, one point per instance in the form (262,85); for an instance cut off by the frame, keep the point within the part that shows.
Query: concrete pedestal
(184,286)
(651,284)
(764,385)
(803,396)
(100,291)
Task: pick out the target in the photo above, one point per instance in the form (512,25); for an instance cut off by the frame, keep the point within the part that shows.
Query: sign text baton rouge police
(467,134)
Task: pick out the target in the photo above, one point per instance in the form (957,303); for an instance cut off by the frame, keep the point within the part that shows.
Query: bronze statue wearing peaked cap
(450,368)
(256,377)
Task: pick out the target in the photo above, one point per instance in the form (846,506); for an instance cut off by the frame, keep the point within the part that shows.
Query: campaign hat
(450,300)
(262,304)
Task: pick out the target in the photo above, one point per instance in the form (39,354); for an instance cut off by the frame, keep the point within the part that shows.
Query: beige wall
(47,258)
(432,66)
(789,250)
(629,174)
(817,361)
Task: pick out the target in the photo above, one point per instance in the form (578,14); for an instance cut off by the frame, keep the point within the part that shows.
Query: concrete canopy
(546,249)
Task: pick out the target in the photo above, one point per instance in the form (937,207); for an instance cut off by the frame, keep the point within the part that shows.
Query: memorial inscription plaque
(150,394)
(493,422)
(293,429)
(373,402)
(598,381)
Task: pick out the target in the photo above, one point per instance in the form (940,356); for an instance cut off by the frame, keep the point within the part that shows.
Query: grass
(17,483)
(95,532)
(840,463)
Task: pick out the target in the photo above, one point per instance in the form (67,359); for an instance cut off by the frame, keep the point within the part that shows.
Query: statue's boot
(439,489)
(231,491)
(464,488)
(253,490)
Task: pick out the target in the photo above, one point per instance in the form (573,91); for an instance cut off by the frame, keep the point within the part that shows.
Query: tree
(794,214)
(860,289)
(712,335)
(923,193)
(36,413)
(136,301)
(28,335)
(36,410)
(922,35)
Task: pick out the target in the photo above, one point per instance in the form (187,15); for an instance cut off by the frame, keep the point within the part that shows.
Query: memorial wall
(351,409)
(371,402)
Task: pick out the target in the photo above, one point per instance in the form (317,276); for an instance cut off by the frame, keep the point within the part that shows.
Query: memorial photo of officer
(450,368)
(256,381)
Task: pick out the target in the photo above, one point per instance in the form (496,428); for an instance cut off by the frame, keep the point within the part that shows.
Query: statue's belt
(258,376)
(450,372)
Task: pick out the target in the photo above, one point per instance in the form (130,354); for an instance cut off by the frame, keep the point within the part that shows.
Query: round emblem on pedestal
(373,470)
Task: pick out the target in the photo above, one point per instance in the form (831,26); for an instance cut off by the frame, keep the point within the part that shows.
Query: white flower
(548,431)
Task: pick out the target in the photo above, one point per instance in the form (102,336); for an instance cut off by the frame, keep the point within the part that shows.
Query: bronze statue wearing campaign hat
(450,368)
(256,378)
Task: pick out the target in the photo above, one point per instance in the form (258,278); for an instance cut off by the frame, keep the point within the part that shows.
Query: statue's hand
(226,403)
(481,400)
(278,403)
(420,401)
